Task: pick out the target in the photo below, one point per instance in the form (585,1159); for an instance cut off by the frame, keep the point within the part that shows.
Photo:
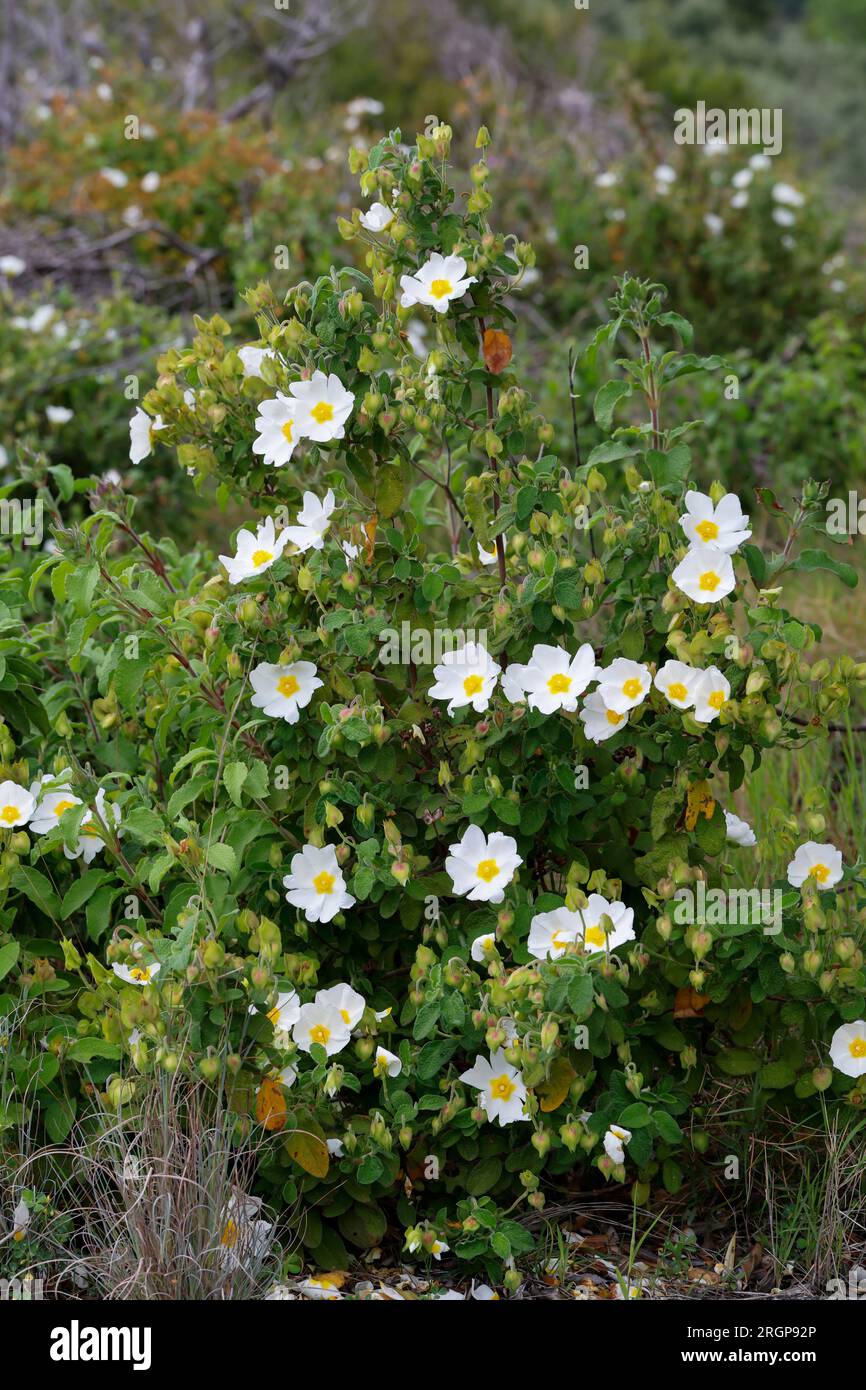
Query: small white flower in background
(312,522)
(724,525)
(594,936)
(90,841)
(12,265)
(790,196)
(278,432)
(288,1077)
(664,174)
(255,552)
(58,414)
(387,1063)
(436,283)
(116,177)
(482,947)
(316,885)
(189,398)
(38,320)
(784,217)
(616,214)
(551,933)
(823,863)
(614,1143)
(481,868)
(282,691)
(104,92)
(740,200)
(20,1220)
(623,684)
(350,551)
(705,574)
(365,106)
(717,145)
(466,676)
(501,1090)
(377,218)
(321,1024)
(848,1048)
(488,557)
(599,722)
(132,215)
(742,178)
(284,1014)
(347,1001)
(739,832)
(151,181)
(141,431)
(677,682)
(482,1293)
(713,223)
(138,974)
(252,357)
(712,693)
(553,680)
(319,1287)
(335,1148)
(16,805)
(324,406)
(760,161)
(607,179)
(242,1235)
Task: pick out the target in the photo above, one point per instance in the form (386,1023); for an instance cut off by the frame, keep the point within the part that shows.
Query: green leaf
(606,401)
(144,825)
(737,1061)
(8,956)
(666,1127)
(363,1225)
(37,888)
(818,560)
(86,1049)
(234,776)
(775,1075)
(83,888)
(223,857)
(756,560)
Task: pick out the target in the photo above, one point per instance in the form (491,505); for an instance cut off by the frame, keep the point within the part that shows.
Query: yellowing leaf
(689,1004)
(271,1105)
(310,1151)
(497,350)
(699,801)
(554,1090)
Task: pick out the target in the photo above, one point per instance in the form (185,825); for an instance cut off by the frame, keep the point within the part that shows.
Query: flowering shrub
(394,894)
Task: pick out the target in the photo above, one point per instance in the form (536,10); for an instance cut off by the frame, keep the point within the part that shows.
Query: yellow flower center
(501,1087)
(472,685)
(595,936)
(62,806)
(261,557)
(439,288)
(230,1234)
(324,882)
(286,430)
(632,688)
(707,530)
(487,869)
(288,685)
(320,1034)
(10,814)
(820,872)
(18,1235)
(322,412)
(717,699)
(677,691)
(613,717)
(709,581)
(857,1047)
(140,973)
(559,684)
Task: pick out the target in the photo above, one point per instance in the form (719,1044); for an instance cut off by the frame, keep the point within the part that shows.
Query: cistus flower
(323,407)
(347,1001)
(677,683)
(739,832)
(848,1048)
(711,693)
(255,552)
(139,974)
(321,1024)
(315,884)
(552,680)
(623,684)
(387,1063)
(283,691)
(482,947)
(16,805)
(284,1014)
(436,283)
(142,429)
(312,522)
(705,574)
(481,868)
(244,1238)
(599,722)
(90,840)
(723,525)
(614,1141)
(502,1093)
(595,938)
(466,676)
(252,357)
(822,863)
(279,434)
(377,218)
(551,933)
(488,556)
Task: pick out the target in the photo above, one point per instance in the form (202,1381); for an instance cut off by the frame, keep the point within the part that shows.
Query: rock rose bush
(401,815)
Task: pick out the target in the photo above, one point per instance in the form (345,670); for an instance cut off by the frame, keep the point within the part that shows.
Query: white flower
(713,223)
(488,557)
(677,682)
(278,430)
(12,265)
(623,684)
(599,722)
(784,217)
(481,868)
(284,1014)
(716,145)
(665,174)
(742,178)
(608,179)
(482,947)
(242,1236)
(58,414)
(723,526)
(322,1024)
(90,840)
(282,691)
(20,1220)
(387,1063)
(315,884)
(594,936)
(336,1148)
(365,106)
(823,863)
(760,161)
(320,1287)
(553,680)
(141,431)
(502,1090)
(514,682)
(711,693)
(324,406)
(739,831)
(151,181)
(466,676)
(550,933)
(255,552)
(138,974)
(116,177)
(438,281)
(350,551)
(288,1077)
(349,1004)
(740,200)
(16,805)
(52,805)
(614,1141)
(785,193)
(848,1048)
(252,358)
(377,218)
(705,574)
(312,522)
